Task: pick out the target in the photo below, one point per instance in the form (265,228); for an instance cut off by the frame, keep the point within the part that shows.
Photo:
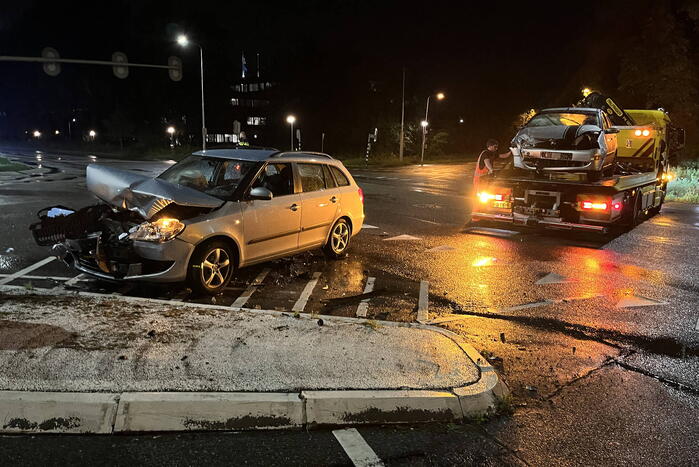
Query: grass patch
(7,165)
(685,186)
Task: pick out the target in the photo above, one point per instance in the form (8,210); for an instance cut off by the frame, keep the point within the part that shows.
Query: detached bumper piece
(94,240)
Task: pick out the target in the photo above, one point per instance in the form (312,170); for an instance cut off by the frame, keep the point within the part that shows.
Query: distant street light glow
(171,130)
(56,132)
(37,134)
(586,92)
(461,120)
(182,40)
(290,120)
(92,134)
(440,96)
(424,124)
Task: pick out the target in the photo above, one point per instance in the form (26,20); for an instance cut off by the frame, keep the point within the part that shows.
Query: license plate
(502,204)
(561,156)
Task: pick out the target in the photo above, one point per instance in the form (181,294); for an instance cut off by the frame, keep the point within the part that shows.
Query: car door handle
(334,199)
(294,207)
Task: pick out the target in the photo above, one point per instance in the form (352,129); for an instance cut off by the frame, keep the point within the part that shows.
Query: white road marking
(637,300)
(367,226)
(40,278)
(306,294)
(245,296)
(401,237)
(26,270)
(356,448)
(553,278)
(441,248)
(423,302)
(424,220)
(696,328)
(74,280)
(364,304)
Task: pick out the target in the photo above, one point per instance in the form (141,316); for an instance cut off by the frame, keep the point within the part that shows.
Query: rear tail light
(361,195)
(594,206)
(484,196)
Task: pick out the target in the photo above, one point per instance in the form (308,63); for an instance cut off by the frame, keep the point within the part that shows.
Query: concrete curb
(52,412)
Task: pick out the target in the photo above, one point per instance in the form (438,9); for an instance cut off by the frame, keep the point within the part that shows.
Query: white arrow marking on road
(245,296)
(306,294)
(401,237)
(553,278)
(26,270)
(441,248)
(364,304)
(423,302)
(367,226)
(637,300)
(356,448)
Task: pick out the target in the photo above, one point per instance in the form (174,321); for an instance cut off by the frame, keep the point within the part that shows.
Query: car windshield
(563,119)
(210,175)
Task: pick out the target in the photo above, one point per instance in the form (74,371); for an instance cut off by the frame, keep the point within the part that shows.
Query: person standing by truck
(486,161)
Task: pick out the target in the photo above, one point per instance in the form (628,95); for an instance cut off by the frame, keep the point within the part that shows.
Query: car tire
(338,240)
(211,268)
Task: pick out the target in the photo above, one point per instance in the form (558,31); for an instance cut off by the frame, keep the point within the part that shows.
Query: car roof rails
(302,154)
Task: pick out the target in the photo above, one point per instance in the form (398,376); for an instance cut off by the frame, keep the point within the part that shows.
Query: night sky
(339,62)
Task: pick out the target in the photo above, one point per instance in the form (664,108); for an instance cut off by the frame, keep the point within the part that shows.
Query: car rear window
(341,178)
(311,177)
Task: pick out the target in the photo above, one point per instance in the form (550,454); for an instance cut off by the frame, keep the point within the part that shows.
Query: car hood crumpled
(144,195)
(530,136)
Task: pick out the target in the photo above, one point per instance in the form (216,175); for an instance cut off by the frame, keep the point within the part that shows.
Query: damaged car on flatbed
(206,216)
(567,140)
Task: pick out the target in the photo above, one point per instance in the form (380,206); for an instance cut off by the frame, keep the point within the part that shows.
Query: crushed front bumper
(148,261)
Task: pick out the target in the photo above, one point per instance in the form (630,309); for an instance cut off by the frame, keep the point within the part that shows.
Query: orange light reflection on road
(482,261)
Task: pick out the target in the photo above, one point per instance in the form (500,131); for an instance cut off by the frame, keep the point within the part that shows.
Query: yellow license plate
(502,204)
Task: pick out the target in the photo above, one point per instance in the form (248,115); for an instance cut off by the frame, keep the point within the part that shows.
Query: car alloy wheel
(215,268)
(340,238)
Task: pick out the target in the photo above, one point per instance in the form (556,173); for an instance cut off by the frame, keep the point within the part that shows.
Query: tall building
(253,100)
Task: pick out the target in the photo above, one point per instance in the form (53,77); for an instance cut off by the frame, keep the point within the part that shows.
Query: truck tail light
(616,205)
(644,132)
(485,196)
(594,206)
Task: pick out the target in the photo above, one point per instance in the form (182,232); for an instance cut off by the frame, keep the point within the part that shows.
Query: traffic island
(71,363)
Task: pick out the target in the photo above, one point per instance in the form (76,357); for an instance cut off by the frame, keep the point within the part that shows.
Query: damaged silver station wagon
(206,216)
(567,139)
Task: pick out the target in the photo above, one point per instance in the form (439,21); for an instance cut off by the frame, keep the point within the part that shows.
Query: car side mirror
(260,192)
(611,131)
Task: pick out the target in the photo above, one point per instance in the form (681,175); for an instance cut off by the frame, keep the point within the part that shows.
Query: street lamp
(183,41)
(37,134)
(171,131)
(586,92)
(92,134)
(440,96)
(290,120)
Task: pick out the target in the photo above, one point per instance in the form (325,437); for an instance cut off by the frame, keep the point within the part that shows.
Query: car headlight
(161,230)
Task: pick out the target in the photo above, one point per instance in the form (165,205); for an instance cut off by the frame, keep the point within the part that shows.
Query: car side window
(311,177)
(340,177)
(607,122)
(329,180)
(277,178)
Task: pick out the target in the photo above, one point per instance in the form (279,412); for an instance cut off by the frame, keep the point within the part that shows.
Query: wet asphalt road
(593,381)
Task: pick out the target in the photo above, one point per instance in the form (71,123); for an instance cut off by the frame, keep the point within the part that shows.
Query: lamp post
(440,96)
(92,134)
(182,40)
(70,132)
(171,131)
(290,120)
